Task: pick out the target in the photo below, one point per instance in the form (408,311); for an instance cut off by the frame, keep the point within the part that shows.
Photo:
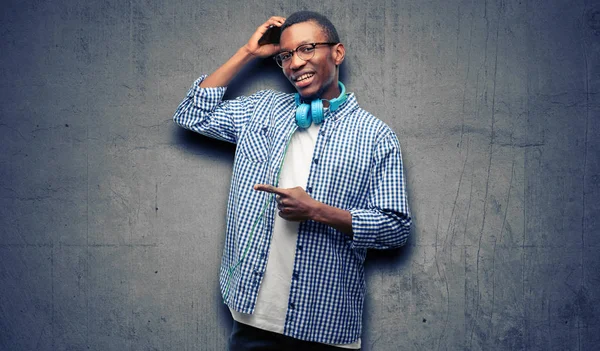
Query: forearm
(224,74)
(334,217)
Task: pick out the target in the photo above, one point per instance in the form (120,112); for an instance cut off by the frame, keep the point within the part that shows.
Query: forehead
(301,33)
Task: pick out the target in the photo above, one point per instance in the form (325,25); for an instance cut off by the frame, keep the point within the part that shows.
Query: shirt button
(299,247)
(295,276)
(322,132)
(291,305)
(309,189)
(315,160)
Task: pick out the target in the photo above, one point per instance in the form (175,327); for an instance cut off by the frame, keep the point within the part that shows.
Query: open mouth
(304,80)
(304,77)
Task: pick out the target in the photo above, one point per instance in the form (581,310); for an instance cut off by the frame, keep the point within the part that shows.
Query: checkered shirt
(357,166)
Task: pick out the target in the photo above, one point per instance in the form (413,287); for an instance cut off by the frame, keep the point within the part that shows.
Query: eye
(306,48)
(285,56)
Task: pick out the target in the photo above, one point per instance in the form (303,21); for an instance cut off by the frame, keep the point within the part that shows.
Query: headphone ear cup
(316,110)
(302,116)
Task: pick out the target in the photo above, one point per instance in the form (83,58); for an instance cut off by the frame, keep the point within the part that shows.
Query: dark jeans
(247,338)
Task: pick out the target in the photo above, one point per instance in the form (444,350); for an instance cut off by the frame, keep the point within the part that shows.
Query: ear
(338,54)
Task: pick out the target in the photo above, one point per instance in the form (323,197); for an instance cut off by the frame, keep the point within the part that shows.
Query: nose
(296,62)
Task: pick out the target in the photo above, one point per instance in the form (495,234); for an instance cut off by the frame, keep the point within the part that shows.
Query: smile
(304,76)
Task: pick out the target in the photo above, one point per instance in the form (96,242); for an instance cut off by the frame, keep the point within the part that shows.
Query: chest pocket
(256,144)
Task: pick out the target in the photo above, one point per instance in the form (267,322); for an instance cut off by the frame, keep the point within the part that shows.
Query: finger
(269,189)
(288,216)
(277,20)
(273,21)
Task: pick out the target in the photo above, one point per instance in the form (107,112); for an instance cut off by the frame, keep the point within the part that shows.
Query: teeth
(304,76)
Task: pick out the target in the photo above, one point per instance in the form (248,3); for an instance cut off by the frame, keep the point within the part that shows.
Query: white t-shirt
(272,302)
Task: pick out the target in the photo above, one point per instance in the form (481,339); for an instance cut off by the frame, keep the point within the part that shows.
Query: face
(318,76)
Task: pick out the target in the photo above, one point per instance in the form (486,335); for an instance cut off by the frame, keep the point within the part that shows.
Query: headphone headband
(335,103)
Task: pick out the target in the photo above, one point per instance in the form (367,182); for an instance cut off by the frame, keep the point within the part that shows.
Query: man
(306,200)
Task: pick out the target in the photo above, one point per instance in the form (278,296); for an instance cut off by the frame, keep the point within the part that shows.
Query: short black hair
(308,16)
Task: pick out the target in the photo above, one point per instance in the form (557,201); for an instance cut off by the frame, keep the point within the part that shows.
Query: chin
(308,97)
(310,94)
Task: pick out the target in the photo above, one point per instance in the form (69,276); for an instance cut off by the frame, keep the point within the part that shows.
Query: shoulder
(268,98)
(274,95)
(369,125)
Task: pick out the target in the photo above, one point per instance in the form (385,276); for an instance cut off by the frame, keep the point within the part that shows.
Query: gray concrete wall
(112,218)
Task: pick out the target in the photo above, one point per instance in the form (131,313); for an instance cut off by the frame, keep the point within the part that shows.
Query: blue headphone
(313,112)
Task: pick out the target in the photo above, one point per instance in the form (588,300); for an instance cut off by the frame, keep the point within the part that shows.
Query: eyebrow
(304,42)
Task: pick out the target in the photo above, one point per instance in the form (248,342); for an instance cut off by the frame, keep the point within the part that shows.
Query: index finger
(277,20)
(269,189)
(274,21)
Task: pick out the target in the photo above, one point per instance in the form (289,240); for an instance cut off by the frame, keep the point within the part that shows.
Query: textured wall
(112,218)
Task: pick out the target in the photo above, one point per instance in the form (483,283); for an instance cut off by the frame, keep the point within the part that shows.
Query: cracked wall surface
(112,218)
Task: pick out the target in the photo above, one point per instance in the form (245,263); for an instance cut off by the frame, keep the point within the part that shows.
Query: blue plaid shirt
(357,166)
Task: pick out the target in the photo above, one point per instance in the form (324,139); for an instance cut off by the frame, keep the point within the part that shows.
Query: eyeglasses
(304,51)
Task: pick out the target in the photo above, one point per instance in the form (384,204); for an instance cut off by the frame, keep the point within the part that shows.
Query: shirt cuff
(196,92)
(363,234)
(374,230)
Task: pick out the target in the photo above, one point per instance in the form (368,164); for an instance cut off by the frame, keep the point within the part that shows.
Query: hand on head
(268,49)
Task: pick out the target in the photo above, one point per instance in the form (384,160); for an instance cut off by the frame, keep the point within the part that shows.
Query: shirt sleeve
(204,111)
(386,221)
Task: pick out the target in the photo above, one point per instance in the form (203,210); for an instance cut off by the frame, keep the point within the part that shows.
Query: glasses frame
(281,62)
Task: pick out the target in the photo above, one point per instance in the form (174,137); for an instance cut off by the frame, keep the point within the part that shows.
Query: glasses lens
(306,52)
(282,58)
(279,61)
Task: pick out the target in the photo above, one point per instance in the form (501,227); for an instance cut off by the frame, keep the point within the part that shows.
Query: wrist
(316,213)
(246,53)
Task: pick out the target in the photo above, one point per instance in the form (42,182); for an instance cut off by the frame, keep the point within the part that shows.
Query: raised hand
(248,52)
(265,50)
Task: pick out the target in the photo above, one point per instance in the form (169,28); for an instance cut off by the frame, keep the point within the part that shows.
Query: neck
(333,91)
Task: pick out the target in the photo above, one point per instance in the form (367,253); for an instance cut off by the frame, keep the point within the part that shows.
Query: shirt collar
(347,107)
